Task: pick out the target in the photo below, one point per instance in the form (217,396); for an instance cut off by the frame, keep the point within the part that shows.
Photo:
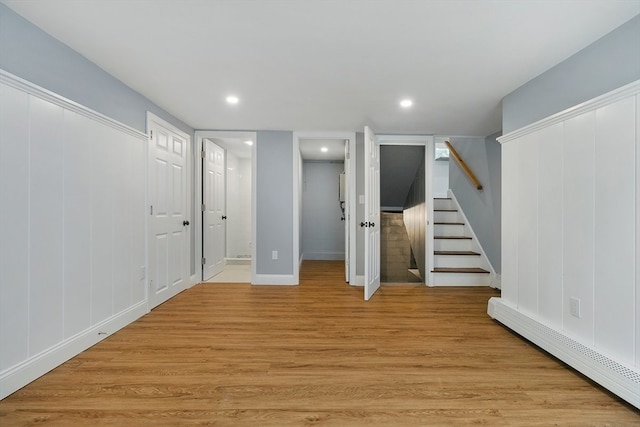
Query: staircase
(457,256)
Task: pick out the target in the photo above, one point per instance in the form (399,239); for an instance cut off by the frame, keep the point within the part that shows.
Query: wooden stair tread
(459,270)
(453,237)
(455,253)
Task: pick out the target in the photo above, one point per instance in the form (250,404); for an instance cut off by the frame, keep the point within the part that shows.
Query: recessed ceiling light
(406,103)
(249,142)
(324,149)
(232,99)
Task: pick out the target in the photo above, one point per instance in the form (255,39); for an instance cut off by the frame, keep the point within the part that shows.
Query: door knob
(224,217)
(372,224)
(185,222)
(363,224)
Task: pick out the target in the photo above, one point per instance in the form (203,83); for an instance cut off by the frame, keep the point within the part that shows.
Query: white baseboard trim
(274,279)
(620,379)
(20,375)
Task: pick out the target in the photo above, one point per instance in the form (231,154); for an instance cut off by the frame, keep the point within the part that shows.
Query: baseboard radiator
(621,380)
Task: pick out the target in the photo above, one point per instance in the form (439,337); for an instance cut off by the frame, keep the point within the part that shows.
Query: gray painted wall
(322,228)
(274,202)
(609,63)
(33,55)
(28,52)
(398,167)
(482,208)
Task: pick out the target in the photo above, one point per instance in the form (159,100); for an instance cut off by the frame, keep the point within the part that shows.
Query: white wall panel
(72,229)
(122,219)
(103,162)
(14,226)
(578,154)
(588,234)
(637,278)
(550,243)
(138,205)
(510,222)
(45,225)
(614,221)
(78,179)
(528,224)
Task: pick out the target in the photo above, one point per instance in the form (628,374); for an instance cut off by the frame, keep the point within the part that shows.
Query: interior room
(178,249)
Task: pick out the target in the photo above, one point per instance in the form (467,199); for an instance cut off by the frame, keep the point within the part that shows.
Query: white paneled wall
(72,229)
(570,225)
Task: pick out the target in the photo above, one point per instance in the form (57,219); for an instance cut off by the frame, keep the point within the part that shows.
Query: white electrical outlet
(574,307)
(274,254)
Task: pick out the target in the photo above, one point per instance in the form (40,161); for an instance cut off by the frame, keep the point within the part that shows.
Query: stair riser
(458,261)
(448,230)
(452,244)
(445,217)
(443,204)
(461,279)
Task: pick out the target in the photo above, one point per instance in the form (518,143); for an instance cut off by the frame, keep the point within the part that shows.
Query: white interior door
(169,224)
(371,222)
(214,209)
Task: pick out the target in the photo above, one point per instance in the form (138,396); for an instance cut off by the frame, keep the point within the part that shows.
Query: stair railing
(463,166)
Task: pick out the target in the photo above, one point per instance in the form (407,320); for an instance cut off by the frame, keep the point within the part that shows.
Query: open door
(372,214)
(213,188)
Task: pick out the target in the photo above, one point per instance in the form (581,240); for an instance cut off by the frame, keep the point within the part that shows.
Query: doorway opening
(402,213)
(325,194)
(226,199)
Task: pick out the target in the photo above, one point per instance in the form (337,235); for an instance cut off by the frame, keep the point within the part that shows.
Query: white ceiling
(311,149)
(329,65)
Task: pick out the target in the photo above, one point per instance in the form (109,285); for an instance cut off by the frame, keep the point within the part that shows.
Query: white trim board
(46,95)
(590,105)
(34,367)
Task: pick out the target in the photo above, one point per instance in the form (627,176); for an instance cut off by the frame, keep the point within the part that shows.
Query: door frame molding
(197,199)
(351,202)
(150,117)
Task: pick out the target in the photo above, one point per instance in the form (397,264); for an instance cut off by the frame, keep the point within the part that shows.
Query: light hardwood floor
(316,354)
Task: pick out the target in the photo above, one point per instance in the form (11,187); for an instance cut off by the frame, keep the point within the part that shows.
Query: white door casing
(345,213)
(214,216)
(372,214)
(168,252)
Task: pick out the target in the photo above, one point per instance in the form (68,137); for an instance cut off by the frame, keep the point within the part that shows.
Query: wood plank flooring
(316,354)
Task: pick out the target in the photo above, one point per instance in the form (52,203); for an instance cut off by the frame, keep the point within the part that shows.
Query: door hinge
(203,154)
(204,261)
(151,134)
(204,207)
(151,210)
